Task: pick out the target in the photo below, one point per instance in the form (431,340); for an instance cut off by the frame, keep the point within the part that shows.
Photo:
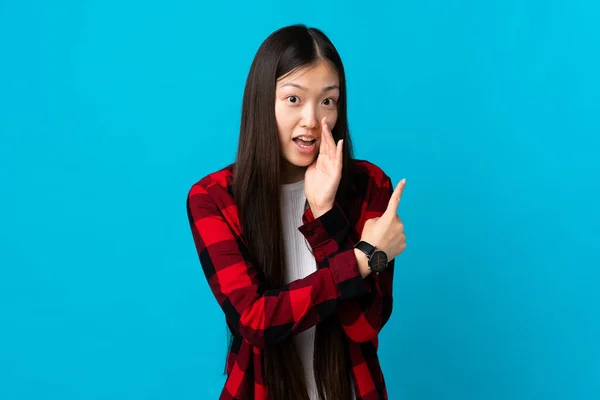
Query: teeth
(305,139)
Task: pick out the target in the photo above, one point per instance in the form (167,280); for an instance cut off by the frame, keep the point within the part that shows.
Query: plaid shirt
(259,317)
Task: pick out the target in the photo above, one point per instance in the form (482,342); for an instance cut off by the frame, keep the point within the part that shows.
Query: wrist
(319,211)
(363,263)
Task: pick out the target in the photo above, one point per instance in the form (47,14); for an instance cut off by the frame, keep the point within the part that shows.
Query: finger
(327,138)
(324,146)
(394,202)
(340,153)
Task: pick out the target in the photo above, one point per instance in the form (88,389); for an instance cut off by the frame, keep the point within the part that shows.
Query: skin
(303,99)
(385,232)
(306,104)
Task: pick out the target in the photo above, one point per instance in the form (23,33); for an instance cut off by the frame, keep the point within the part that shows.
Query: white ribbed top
(299,263)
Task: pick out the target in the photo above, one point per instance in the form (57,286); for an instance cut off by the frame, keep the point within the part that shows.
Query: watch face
(378,261)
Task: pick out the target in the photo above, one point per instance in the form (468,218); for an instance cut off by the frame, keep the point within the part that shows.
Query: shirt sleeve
(267,316)
(363,317)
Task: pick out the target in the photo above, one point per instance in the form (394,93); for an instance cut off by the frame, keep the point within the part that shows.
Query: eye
(293,99)
(329,101)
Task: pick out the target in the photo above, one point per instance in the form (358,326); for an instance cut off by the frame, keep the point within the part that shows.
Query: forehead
(313,76)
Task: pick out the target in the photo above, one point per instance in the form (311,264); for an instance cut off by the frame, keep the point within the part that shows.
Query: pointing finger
(394,202)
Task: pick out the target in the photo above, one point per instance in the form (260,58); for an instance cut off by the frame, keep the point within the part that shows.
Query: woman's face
(302,99)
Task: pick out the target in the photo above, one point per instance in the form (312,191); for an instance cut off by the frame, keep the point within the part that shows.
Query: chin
(303,162)
(300,162)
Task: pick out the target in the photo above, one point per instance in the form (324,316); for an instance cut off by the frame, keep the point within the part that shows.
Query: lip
(306,150)
(307,136)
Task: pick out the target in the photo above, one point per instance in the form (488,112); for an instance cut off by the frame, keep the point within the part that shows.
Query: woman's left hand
(322,177)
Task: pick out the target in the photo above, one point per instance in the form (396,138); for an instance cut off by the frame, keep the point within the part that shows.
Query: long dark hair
(256,191)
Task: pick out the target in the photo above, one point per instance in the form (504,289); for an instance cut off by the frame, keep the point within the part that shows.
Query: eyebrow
(325,89)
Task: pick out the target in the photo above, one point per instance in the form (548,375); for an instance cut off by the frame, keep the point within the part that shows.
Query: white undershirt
(299,263)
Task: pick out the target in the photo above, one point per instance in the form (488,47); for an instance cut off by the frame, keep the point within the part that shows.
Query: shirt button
(309,233)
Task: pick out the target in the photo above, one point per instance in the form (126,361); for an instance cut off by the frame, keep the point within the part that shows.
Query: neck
(292,174)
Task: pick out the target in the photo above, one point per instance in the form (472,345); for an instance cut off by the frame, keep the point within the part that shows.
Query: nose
(310,119)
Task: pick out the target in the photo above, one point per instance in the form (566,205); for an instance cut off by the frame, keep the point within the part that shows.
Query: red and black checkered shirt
(258,317)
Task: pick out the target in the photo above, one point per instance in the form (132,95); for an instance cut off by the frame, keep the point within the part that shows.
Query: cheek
(331,118)
(286,120)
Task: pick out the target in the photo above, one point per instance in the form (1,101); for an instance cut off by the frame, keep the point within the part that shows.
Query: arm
(362,318)
(265,317)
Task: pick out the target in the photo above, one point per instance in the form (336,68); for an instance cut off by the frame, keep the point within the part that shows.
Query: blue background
(110,110)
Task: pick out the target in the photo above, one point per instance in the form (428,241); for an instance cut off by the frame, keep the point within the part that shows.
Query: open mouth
(305,143)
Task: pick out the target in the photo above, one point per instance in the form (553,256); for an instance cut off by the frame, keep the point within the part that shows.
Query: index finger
(396,196)
(327,137)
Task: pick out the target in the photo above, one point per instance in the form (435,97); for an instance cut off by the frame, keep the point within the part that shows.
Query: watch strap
(365,247)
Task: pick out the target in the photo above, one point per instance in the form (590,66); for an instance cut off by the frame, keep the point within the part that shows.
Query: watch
(378,260)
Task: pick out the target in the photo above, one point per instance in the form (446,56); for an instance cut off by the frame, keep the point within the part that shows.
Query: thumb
(394,202)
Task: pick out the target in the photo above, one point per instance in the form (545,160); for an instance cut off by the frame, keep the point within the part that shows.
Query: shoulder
(367,176)
(222,178)
(213,187)
(367,168)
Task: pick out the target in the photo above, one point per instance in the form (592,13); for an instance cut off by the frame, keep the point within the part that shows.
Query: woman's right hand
(322,177)
(387,231)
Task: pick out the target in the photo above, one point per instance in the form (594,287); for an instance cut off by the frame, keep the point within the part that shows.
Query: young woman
(297,239)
